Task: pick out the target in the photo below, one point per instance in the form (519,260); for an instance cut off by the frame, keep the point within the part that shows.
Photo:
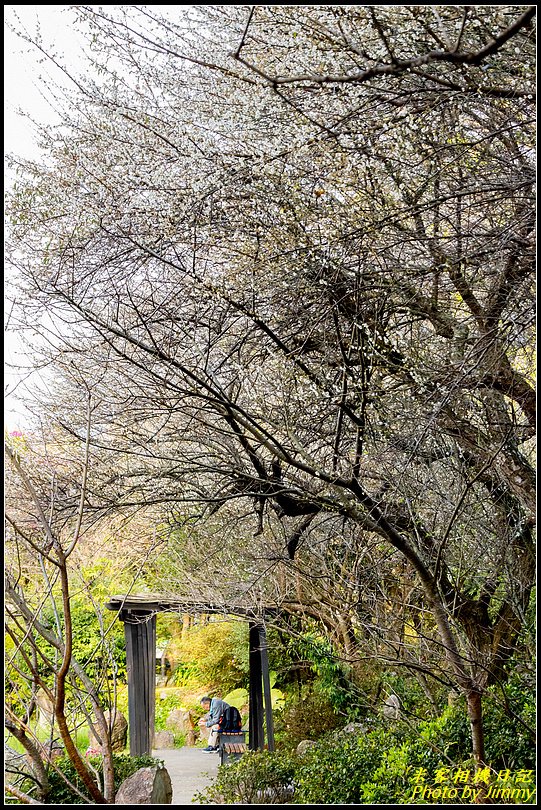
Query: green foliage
(444,739)
(126,765)
(186,674)
(215,653)
(413,699)
(240,698)
(258,777)
(99,650)
(337,769)
(511,731)
(237,698)
(277,696)
(332,675)
(88,641)
(306,717)
(384,763)
(61,793)
(509,719)
(164,707)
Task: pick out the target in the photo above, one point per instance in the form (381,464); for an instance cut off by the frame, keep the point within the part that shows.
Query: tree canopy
(287,253)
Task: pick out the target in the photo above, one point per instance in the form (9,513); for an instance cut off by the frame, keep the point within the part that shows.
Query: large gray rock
(303,747)
(391,708)
(118,730)
(146,786)
(354,728)
(179,720)
(164,739)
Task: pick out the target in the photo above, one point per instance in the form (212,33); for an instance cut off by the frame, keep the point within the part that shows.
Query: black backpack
(230,721)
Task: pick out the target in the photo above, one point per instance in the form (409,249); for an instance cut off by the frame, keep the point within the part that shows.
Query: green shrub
(307,718)
(258,777)
(329,674)
(186,674)
(338,768)
(391,764)
(123,764)
(510,722)
(509,728)
(215,653)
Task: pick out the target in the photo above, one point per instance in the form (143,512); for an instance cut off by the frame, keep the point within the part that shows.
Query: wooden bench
(235,748)
(232,746)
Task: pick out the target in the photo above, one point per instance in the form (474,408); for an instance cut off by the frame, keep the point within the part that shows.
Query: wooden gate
(139,616)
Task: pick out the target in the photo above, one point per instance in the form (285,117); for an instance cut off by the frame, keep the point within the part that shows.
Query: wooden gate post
(140,635)
(259,686)
(256,739)
(266,686)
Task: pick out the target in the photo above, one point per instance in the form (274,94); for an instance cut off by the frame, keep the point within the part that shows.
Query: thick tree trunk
(464,680)
(475,713)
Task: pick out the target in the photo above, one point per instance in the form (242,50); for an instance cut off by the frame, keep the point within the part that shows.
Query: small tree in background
(59,644)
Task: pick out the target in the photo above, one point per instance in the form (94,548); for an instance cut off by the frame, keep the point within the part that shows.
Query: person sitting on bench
(215,708)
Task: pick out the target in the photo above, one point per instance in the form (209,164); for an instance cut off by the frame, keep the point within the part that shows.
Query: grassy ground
(188,698)
(43,735)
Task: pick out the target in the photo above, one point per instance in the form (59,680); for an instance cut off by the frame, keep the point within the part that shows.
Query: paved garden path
(190,769)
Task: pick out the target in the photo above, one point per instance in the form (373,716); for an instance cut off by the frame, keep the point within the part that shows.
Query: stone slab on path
(191,771)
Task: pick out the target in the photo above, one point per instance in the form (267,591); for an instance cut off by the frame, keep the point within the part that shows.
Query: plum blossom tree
(291,249)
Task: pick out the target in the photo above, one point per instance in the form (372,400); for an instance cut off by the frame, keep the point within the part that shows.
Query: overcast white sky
(21,92)
(21,70)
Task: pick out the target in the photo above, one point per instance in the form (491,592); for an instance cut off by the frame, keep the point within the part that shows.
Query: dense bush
(509,716)
(392,763)
(215,654)
(258,777)
(335,769)
(124,766)
(323,667)
(307,716)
